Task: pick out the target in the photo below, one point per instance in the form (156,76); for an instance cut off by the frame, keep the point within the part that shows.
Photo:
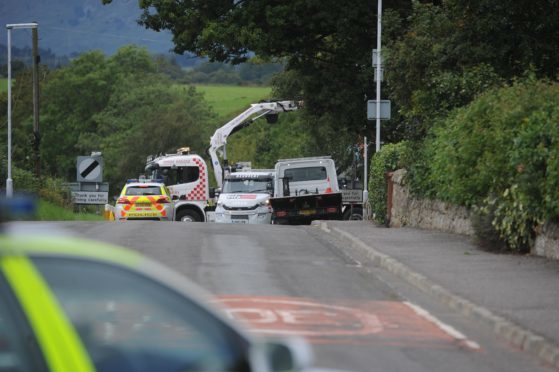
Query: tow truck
(186,173)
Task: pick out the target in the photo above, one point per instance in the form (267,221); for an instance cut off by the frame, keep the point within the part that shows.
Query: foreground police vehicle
(71,305)
(245,197)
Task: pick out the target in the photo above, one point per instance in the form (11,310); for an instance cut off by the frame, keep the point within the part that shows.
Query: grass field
(227,100)
(4,85)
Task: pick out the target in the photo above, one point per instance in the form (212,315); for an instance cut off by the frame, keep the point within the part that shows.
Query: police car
(73,305)
(144,200)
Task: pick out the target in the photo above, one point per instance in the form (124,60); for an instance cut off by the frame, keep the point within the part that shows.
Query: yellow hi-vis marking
(59,341)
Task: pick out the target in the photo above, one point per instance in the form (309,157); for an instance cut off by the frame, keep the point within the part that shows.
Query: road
(294,280)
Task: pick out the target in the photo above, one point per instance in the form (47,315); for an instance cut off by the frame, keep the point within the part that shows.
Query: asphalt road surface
(295,280)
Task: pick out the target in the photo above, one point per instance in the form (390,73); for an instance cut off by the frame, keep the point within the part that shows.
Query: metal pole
(36,133)
(379,59)
(10,27)
(365,183)
(9,182)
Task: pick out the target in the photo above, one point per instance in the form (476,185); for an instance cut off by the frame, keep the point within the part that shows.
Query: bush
(389,158)
(49,189)
(500,155)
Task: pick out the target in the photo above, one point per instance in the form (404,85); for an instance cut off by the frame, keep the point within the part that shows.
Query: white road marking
(451,331)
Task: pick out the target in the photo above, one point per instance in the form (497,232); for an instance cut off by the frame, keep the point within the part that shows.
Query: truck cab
(245,197)
(306,189)
(186,176)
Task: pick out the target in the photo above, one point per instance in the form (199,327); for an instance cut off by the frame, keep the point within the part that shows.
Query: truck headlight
(265,203)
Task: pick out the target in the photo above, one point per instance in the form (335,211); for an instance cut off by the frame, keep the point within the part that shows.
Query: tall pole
(379,70)
(9,181)
(36,133)
(10,27)
(365,176)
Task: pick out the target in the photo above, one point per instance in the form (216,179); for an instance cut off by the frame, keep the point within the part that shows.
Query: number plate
(238,221)
(143,214)
(307,212)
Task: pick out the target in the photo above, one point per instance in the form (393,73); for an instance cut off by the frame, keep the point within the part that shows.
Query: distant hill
(70,27)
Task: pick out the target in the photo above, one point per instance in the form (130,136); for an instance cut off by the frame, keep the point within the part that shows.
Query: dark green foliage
(390,158)
(447,54)
(499,155)
(120,105)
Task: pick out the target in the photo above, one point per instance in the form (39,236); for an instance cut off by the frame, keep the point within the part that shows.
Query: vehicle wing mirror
(290,354)
(214,192)
(217,192)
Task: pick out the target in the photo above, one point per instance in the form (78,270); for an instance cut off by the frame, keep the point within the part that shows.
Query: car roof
(67,246)
(157,184)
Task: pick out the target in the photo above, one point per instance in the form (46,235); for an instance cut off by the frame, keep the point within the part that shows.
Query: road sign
(352,196)
(90,197)
(89,169)
(89,192)
(384,109)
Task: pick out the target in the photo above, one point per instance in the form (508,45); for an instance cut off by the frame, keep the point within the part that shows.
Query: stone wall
(425,213)
(436,215)
(547,242)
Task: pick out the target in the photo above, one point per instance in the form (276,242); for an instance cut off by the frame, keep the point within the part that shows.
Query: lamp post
(10,27)
(379,73)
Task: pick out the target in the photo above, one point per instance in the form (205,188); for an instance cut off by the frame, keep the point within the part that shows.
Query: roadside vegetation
(48,211)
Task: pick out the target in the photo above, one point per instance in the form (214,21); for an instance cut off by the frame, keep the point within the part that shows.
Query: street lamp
(379,72)
(10,27)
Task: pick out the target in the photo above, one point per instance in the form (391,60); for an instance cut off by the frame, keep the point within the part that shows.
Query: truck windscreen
(305,174)
(252,185)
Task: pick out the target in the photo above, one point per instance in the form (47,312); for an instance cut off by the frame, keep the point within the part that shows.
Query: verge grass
(47,211)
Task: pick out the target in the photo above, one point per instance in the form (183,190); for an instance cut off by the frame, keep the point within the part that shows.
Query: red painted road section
(367,322)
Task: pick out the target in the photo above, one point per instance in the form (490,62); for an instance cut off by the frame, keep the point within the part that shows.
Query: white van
(245,197)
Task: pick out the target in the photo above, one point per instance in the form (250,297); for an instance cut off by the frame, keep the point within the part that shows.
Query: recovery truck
(299,194)
(186,174)
(306,189)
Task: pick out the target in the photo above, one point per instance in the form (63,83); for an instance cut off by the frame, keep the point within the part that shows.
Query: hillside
(73,26)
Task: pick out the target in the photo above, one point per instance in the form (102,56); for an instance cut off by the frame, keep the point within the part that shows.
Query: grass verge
(47,211)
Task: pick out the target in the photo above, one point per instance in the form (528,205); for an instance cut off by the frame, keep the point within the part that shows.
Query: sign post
(90,188)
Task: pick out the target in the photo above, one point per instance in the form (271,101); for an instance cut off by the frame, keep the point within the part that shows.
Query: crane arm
(256,110)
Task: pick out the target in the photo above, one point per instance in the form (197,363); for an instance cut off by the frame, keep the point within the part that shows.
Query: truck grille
(240,208)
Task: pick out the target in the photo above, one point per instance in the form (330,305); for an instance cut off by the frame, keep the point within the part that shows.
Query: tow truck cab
(186,176)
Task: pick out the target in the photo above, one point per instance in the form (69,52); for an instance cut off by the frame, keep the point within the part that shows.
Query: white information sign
(90,197)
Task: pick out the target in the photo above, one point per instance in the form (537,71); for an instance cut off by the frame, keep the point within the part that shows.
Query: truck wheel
(188,215)
(353,215)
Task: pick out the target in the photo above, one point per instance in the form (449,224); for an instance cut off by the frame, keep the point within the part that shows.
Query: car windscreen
(305,174)
(250,185)
(143,190)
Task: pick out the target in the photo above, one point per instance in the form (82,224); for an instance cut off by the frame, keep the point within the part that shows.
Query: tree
(326,43)
(451,52)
